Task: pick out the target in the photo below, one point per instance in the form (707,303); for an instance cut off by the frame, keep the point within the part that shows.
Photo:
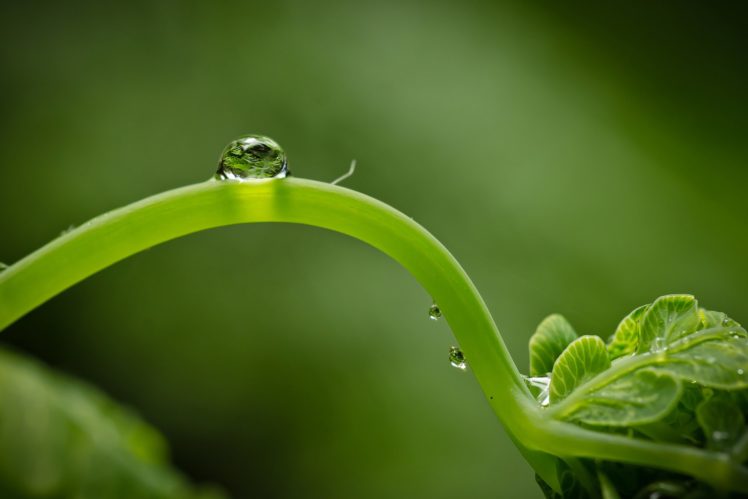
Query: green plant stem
(126,231)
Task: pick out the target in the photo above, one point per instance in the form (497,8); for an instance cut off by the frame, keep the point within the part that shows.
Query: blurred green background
(575,158)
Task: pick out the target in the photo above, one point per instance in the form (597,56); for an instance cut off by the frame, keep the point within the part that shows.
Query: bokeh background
(576,157)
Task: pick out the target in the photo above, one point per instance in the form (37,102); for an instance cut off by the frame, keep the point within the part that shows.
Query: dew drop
(434,312)
(659,345)
(741,372)
(725,321)
(457,358)
(540,386)
(720,436)
(252,157)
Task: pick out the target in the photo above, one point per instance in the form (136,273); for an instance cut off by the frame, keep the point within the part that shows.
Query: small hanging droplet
(457,358)
(434,312)
(252,157)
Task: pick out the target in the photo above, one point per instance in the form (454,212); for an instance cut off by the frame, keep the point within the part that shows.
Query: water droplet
(725,321)
(252,157)
(720,436)
(659,345)
(741,372)
(434,312)
(457,358)
(541,386)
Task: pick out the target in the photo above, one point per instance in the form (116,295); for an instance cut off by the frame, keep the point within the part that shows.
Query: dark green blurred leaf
(60,438)
(721,420)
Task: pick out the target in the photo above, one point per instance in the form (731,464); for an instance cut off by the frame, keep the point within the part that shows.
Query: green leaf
(720,362)
(669,318)
(607,489)
(722,422)
(644,387)
(551,337)
(584,358)
(68,440)
(626,337)
(679,343)
(571,487)
(638,398)
(710,319)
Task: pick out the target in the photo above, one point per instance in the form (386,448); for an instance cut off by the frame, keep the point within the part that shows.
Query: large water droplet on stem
(252,157)
(457,358)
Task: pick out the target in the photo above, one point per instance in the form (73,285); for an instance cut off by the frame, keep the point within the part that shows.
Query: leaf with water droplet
(551,337)
(710,319)
(721,420)
(647,384)
(252,157)
(637,398)
(582,360)
(626,337)
(713,359)
(457,358)
(434,312)
(705,360)
(669,318)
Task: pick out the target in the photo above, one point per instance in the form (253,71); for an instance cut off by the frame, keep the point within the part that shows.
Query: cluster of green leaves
(671,372)
(60,438)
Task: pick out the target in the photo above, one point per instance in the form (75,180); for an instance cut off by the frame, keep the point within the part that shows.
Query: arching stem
(126,231)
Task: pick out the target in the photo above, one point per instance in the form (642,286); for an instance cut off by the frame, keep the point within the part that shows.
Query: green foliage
(582,360)
(632,402)
(551,337)
(637,398)
(625,339)
(60,438)
(670,373)
(722,422)
(666,320)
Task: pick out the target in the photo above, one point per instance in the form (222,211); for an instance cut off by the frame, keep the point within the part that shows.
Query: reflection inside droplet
(434,312)
(252,157)
(457,358)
